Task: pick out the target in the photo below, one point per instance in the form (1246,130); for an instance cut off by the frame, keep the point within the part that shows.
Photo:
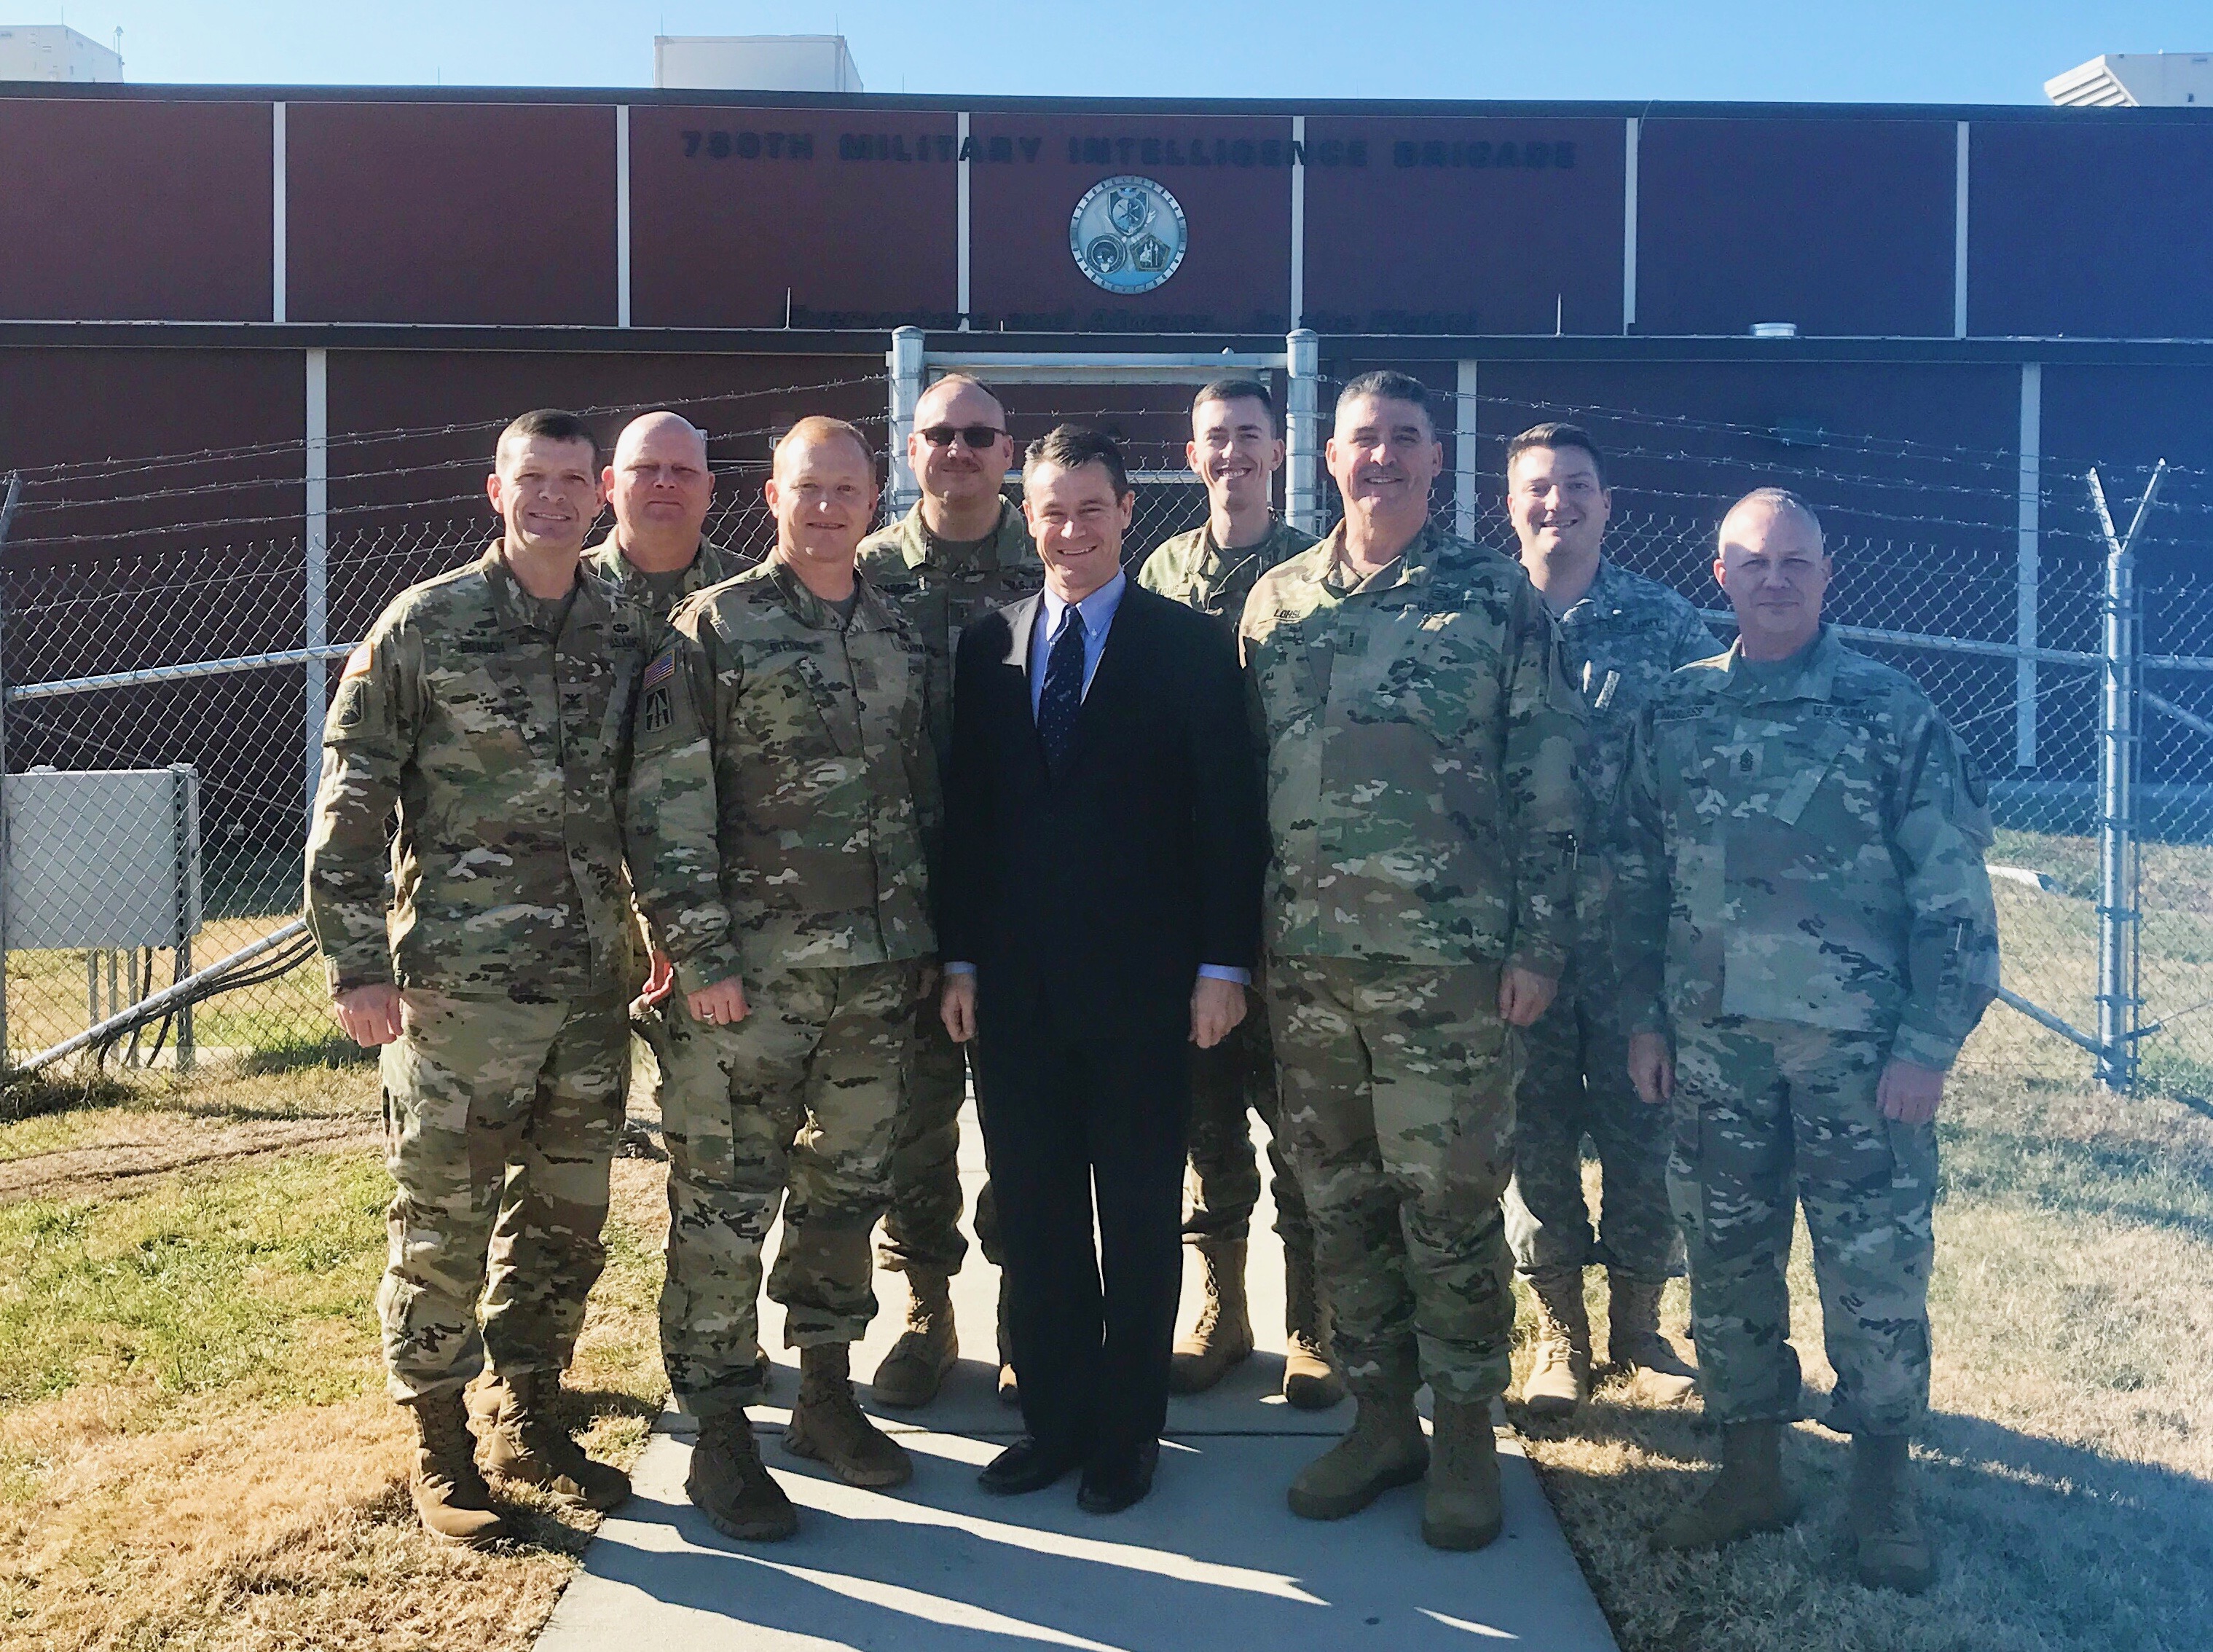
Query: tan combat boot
(450,1497)
(1384,1448)
(732,1487)
(1223,1336)
(925,1353)
(1559,1380)
(1462,1507)
(1010,1391)
(1747,1496)
(1885,1516)
(1634,1343)
(527,1443)
(1312,1381)
(827,1425)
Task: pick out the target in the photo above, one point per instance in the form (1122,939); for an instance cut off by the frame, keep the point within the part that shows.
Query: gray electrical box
(103,858)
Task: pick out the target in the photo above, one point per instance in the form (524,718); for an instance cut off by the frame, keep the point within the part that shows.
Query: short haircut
(966,381)
(549,424)
(1072,446)
(1555,435)
(819,427)
(1780,500)
(1236,390)
(1385,385)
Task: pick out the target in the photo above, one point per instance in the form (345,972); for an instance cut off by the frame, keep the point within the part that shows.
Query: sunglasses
(975,437)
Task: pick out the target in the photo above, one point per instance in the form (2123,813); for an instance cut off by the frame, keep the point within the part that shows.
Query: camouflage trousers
(1767,1115)
(1229,1083)
(922,1229)
(792,1109)
(1398,1100)
(501,1120)
(1577,1084)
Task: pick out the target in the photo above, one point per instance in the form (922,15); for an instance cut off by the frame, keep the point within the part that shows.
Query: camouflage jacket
(1189,569)
(1621,640)
(1420,735)
(939,598)
(1803,842)
(711,566)
(782,791)
(496,725)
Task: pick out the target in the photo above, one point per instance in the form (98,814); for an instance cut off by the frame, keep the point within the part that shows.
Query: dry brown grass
(2068,1468)
(261,1504)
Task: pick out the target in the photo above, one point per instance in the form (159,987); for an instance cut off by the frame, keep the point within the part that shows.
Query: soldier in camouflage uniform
(489,707)
(1236,451)
(784,792)
(660,486)
(1420,735)
(1807,937)
(1621,635)
(960,553)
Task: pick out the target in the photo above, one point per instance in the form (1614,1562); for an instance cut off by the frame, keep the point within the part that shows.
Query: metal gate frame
(912,365)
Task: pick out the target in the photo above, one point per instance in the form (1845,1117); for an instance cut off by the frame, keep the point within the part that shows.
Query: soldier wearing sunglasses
(962,552)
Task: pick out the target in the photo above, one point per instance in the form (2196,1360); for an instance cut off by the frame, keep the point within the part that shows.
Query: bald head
(961,453)
(661,432)
(1774,567)
(660,487)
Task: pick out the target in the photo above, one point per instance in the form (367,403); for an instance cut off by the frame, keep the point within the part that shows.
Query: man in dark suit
(1100,914)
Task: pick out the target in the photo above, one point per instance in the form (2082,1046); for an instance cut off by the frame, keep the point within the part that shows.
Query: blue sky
(1872,51)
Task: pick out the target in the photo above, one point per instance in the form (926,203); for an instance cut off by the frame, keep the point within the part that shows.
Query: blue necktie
(1063,695)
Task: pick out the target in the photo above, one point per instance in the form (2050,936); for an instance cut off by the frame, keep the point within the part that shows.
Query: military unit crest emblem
(1128,234)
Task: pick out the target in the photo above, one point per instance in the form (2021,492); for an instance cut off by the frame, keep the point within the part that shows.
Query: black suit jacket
(1093,896)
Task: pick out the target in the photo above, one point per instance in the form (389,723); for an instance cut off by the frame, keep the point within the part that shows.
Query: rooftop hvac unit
(755,63)
(103,858)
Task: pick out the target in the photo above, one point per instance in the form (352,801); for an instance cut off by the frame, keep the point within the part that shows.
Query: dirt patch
(155,1144)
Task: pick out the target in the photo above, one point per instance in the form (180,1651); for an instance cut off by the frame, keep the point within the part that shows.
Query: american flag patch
(662,668)
(356,663)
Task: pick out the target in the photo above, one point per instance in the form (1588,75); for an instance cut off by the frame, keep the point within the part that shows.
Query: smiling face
(947,468)
(1559,507)
(1077,522)
(1234,450)
(1383,456)
(659,483)
(823,494)
(546,492)
(1774,570)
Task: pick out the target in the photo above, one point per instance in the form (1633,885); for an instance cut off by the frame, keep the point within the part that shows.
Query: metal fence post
(2118,914)
(315,617)
(1303,500)
(905,362)
(7,519)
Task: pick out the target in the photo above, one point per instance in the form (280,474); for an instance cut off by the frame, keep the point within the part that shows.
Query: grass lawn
(195,1449)
(2068,1469)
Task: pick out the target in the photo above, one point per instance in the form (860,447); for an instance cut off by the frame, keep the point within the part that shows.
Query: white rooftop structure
(2134,80)
(51,51)
(755,63)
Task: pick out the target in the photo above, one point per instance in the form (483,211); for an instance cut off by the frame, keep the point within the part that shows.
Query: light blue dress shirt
(1098,611)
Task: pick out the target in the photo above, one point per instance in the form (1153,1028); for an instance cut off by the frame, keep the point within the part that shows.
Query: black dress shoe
(1113,1483)
(1028,1465)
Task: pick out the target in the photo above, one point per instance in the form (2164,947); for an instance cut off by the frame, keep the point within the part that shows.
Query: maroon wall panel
(1463,225)
(1231,176)
(117,210)
(850,217)
(1844,227)
(451,213)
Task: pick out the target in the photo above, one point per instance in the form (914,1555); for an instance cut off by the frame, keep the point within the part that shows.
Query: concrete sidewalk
(1212,1559)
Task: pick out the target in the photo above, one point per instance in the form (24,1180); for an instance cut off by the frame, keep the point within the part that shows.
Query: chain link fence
(168,650)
